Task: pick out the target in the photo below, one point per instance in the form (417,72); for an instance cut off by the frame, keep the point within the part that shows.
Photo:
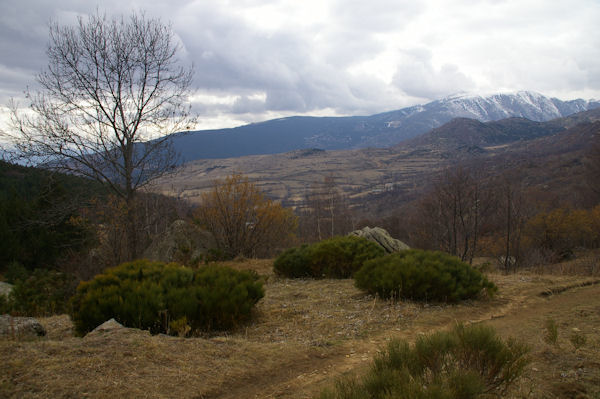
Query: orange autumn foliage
(243,221)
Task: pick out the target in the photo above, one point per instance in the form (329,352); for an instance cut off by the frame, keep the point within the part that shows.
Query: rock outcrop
(20,327)
(382,238)
(183,242)
(5,288)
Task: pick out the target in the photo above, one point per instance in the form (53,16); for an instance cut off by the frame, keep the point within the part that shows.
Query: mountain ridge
(465,131)
(380,130)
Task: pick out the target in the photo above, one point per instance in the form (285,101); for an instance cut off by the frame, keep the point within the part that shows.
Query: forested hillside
(40,215)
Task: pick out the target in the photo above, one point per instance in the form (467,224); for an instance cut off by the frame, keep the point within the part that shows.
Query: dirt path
(517,314)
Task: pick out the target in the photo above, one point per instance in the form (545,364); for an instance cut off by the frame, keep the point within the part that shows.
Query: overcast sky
(256,59)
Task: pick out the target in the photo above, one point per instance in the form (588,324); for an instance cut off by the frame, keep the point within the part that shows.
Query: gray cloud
(342,56)
(375,15)
(417,77)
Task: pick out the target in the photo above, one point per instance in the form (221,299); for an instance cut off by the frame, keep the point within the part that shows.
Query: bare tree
(512,212)
(327,213)
(451,215)
(110,87)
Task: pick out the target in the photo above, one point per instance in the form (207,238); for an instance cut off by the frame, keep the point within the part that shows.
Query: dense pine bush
(151,295)
(464,363)
(294,262)
(337,257)
(39,293)
(422,275)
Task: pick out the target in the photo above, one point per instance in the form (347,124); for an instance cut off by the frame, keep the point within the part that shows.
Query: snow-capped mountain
(380,130)
(413,121)
(525,104)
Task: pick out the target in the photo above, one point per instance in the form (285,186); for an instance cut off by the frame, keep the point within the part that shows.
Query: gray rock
(183,242)
(107,326)
(5,288)
(382,238)
(20,327)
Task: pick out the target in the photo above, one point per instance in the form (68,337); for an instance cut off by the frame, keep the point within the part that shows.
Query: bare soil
(305,334)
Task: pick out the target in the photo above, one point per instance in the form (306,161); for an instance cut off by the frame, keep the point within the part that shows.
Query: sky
(256,60)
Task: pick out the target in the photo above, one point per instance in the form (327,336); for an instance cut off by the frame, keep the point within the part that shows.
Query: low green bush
(149,295)
(422,275)
(294,263)
(337,257)
(463,363)
(39,293)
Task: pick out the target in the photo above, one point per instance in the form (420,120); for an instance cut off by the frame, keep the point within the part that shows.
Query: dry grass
(305,333)
(559,370)
(131,363)
(264,267)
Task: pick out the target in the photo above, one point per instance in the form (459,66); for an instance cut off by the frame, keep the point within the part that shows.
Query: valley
(547,153)
(289,177)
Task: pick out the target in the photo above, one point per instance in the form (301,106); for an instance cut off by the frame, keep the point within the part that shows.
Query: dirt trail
(518,315)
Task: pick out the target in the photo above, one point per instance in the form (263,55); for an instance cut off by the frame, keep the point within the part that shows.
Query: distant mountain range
(380,130)
(550,154)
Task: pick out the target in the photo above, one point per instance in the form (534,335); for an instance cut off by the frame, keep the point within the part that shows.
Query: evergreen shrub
(467,362)
(42,292)
(337,257)
(294,262)
(422,275)
(149,295)
(15,272)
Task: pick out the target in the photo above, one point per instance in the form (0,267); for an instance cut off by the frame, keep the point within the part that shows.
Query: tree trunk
(132,236)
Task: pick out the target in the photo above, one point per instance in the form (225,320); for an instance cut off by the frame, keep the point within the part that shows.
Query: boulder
(5,288)
(20,327)
(183,242)
(107,326)
(382,238)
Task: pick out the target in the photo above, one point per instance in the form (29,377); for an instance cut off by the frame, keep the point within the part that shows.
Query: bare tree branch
(111,94)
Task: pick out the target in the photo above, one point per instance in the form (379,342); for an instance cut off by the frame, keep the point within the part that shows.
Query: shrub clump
(337,257)
(422,275)
(463,363)
(41,292)
(152,295)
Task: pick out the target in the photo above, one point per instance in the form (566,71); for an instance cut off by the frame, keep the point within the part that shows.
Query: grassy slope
(305,334)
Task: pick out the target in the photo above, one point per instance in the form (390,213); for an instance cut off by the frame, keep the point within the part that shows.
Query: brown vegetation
(243,221)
